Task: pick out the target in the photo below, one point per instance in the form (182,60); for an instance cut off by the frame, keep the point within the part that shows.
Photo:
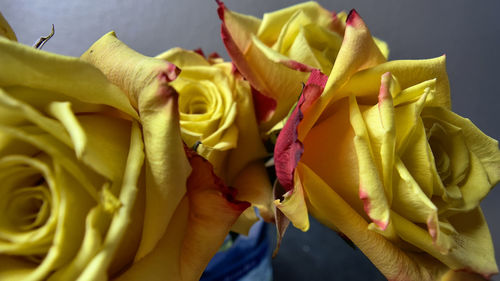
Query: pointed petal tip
(200,52)
(220,9)
(384,92)
(353,19)
(381,224)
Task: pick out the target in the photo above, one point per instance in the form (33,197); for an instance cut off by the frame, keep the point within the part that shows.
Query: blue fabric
(247,254)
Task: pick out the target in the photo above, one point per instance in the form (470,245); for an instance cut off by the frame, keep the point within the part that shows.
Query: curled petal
(145,81)
(45,71)
(289,148)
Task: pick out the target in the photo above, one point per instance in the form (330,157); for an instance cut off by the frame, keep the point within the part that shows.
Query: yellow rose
(96,180)
(374,151)
(217,117)
(277,52)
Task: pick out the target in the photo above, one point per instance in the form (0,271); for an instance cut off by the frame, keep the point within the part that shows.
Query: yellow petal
(182,58)
(97,268)
(145,81)
(26,229)
(408,73)
(371,187)
(106,150)
(484,147)
(250,147)
(40,99)
(46,71)
(472,248)
(62,111)
(316,46)
(272,78)
(272,23)
(59,152)
(293,205)
(380,124)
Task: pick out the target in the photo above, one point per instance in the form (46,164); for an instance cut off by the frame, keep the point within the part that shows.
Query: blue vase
(244,258)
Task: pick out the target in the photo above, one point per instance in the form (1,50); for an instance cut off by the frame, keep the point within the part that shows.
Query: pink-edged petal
(371,186)
(289,148)
(267,70)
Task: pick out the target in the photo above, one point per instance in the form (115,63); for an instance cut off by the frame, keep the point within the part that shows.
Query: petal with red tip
(288,149)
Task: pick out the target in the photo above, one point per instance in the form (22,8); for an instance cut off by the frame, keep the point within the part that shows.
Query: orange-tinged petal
(253,186)
(329,151)
(196,231)
(145,81)
(326,205)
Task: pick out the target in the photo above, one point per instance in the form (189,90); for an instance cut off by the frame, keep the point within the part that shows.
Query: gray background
(467,31)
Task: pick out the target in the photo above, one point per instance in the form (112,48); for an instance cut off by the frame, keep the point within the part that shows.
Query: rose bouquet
(122,166)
